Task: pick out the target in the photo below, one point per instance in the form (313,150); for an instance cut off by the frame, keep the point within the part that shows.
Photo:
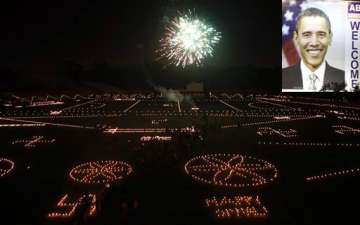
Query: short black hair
(312,12)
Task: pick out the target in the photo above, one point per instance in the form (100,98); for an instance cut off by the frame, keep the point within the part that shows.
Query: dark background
(68,44)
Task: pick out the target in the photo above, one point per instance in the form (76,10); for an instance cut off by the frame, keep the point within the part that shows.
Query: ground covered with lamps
(138,158)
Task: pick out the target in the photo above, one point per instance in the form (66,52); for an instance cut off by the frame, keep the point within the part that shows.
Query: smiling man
(313,36)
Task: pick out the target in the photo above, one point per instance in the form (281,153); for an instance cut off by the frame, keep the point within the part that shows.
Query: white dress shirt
(306,72)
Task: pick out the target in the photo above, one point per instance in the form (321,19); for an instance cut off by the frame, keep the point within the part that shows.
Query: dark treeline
(70,75)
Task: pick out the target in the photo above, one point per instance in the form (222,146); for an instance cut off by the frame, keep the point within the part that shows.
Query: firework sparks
(188,41)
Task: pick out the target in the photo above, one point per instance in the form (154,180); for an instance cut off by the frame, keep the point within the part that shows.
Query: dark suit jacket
(334,78)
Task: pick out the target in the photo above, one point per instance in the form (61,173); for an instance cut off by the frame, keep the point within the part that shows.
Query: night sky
(42,32)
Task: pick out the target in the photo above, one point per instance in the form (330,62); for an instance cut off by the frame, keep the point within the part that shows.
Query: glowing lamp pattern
(230,170)
(31,143)
(66,208)
(263,131)
(100,172)
(155,138)
(333,174)
(23,125)
(6,166)
(342,129)
(245,207)
(259,104)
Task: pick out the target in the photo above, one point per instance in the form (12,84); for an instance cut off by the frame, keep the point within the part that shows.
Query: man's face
(313,38)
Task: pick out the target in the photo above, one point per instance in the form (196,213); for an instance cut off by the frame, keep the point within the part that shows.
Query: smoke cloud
(170,94)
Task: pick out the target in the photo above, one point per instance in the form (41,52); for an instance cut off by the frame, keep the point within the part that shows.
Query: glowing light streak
(282,117)
(149,130)
(269,131)
(231,106)
(22,125)
(318,144)
(55,113)
(313,104)
(34,141)
(46,123)
(332,174)
(279,121)
(155,138)
(225,103)
(179,108)
(132,106)
(225,95)
(160,121)
(275,120)
(134,130)
(123,99)
(275,104)
(45,103)
(229,126)
(342,129)
(78,105)
(349,118)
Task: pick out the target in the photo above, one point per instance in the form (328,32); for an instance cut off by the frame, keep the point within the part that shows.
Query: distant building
(195,87)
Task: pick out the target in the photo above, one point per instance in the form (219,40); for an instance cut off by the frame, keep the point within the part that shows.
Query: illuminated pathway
(118,130)
(132,106)
(333,174)
(78,105)
(315,104)
(318,144)
(231,106)
(278,121)
(46,123)
(279,105)
(263,131)
(342,129)
(225,103)
(32,142)
(17,120)
(22,125)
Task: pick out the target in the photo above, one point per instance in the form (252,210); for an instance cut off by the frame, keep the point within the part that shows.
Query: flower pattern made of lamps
(230,170)
(100,172)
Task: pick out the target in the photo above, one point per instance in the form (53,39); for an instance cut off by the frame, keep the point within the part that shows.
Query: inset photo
(320,43)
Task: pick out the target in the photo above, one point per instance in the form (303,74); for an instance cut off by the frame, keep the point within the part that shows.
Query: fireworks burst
(188,40)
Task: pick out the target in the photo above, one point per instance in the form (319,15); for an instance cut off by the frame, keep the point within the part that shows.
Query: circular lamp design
(230,170)
(100,172)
